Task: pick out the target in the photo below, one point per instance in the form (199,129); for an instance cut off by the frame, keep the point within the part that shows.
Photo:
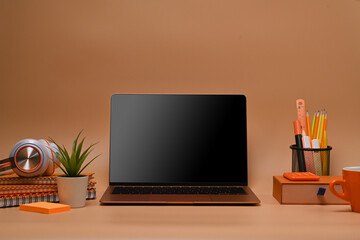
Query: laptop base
(248,199)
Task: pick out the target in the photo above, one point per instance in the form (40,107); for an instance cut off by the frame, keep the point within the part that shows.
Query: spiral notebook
(18,199)
(20,189)
(14,179)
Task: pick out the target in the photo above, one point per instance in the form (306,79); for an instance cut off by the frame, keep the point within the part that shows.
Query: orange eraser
(45,207)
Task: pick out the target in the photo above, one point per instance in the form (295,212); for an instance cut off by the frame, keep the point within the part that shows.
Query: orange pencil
(308,125)
(321,127)
(324,128)
(325,121)
(316,125)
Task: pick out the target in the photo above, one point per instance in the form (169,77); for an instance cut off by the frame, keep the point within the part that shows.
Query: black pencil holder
(317,160)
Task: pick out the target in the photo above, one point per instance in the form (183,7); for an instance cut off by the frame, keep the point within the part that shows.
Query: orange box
(45,207)
(305,192)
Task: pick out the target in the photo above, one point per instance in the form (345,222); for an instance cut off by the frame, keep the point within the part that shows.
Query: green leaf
(63,161)
(89,163)
(83,157)
(78,150)
(85,152)
(60,156)
(73,158)
(61,151)
(75,142)
(67,157)
(62,169)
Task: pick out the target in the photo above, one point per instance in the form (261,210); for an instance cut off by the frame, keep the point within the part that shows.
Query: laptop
(178,149)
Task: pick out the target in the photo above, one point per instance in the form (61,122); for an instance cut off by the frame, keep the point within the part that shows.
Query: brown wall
(60,61)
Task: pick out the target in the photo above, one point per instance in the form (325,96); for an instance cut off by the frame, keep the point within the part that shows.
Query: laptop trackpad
(179,198)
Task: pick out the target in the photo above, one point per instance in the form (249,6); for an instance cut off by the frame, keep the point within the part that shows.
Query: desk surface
(268,221)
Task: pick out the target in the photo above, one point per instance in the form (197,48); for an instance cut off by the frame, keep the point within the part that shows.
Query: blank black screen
(185,139)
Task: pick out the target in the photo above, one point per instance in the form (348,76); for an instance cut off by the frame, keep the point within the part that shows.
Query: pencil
(321,131)
(325,122)
(313,126)
(308,125)
(318,135)
(316,125)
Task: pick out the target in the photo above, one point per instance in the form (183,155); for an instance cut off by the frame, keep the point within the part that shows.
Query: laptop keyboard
(179,190)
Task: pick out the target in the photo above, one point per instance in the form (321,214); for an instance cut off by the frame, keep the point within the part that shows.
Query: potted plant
(72,186)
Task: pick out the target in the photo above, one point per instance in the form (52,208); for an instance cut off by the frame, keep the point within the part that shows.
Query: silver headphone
(30,158)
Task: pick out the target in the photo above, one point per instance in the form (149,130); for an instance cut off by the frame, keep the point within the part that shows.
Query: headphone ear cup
(30,158)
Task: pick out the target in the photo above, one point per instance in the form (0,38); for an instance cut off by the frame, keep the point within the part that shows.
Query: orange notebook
(12,200)
(33,188)
(45,207)
(14,179)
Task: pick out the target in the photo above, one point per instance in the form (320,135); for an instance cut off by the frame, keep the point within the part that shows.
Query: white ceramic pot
(72,190)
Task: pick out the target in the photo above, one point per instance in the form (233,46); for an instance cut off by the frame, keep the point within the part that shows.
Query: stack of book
(15,190)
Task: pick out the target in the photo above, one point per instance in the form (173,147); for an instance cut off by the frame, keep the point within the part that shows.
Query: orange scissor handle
(345,195)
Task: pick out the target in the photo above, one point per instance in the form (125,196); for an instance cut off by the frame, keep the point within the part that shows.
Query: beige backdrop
(60,61)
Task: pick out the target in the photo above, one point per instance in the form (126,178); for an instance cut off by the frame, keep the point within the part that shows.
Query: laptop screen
(164,139)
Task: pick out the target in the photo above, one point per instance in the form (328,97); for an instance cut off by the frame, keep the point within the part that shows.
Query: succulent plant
(71,165)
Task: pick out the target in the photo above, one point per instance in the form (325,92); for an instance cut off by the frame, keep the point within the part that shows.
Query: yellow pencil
(313,126)
(320,127)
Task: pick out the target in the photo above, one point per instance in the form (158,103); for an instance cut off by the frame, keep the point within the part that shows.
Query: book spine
(16,200)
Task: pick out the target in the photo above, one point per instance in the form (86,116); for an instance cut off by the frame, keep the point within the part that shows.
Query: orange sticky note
(45,207)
